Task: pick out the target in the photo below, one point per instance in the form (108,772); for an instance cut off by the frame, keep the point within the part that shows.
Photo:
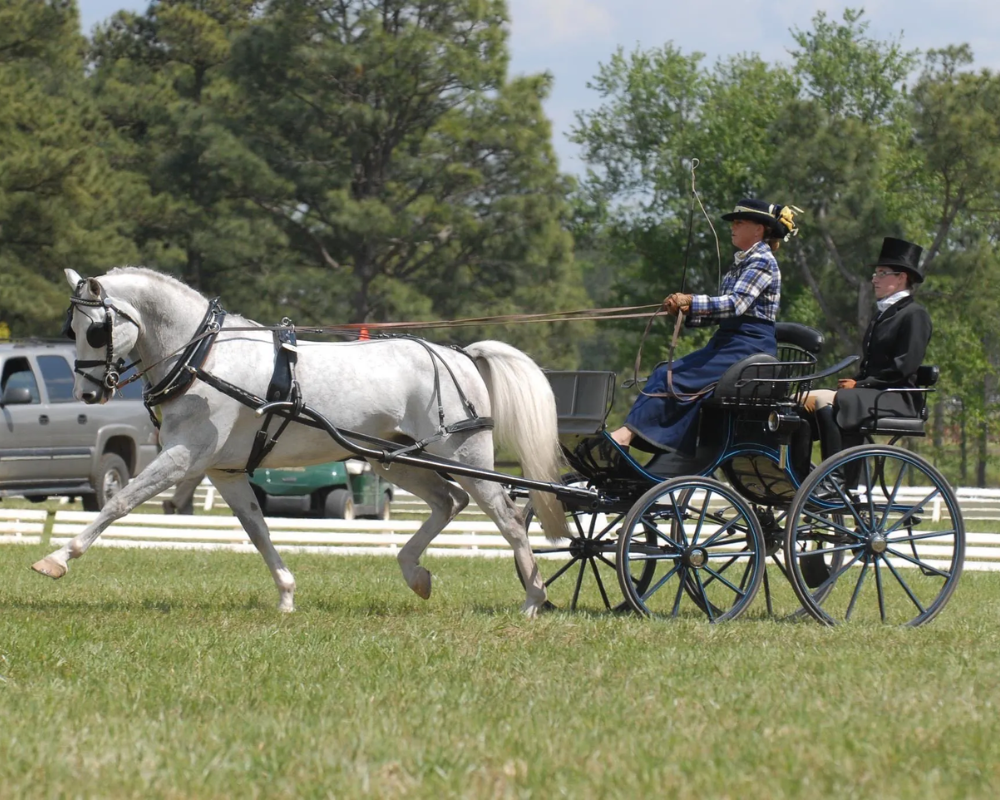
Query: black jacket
(894,347)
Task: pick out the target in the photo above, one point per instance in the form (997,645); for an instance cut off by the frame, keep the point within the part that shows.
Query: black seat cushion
(809,339)
(735,381)
(893,425)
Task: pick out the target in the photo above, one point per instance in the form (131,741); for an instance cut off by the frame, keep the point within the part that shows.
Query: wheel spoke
(680,519)
(734,556)
(701,589)
(914,537)
(701,518)
(830,523)
(918,563)
(836,575)
(606,529)
(780,566)
(906,587)
(719,576)
(914,509)
(600,584)
(656,587)
(878,588)
(605,560)
(893,493)
(680,592)
(560,571)
(849,505)
(579,583)
(713,539)
(869,487)
(650,528)
(857,590)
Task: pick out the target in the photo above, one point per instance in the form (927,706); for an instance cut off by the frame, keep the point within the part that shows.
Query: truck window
(17,374)
(58,378)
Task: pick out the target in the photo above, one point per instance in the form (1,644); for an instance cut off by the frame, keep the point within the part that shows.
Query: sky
(571,38)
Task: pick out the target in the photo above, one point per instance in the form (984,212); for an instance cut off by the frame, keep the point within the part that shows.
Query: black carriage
(873,532)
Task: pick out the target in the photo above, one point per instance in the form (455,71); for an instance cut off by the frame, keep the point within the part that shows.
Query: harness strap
(479,423)
(180,377)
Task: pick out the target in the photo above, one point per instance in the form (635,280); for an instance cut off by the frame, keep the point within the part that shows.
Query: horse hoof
(422,583)
(50,567)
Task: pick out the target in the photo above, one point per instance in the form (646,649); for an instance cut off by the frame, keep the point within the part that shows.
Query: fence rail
(467,535)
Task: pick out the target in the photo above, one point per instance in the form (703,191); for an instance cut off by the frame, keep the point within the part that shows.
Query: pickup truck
(53,445)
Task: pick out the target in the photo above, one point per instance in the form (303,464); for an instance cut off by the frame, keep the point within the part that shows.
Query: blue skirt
(665,423)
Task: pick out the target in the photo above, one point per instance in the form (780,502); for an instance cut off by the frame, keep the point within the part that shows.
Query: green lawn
(170,674)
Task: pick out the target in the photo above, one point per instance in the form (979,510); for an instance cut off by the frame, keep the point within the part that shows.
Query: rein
(671,392)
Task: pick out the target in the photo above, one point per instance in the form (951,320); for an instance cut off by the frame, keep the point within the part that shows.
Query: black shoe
(597,454)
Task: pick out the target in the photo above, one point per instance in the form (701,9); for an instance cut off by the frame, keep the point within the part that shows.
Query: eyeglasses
(877,275)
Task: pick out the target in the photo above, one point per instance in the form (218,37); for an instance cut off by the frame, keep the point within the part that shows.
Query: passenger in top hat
(893,349)
(745,310)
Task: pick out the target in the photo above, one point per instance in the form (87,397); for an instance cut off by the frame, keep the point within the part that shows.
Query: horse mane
(152,274)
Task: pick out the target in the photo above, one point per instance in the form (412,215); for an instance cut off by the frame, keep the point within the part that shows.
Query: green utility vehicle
(337,490)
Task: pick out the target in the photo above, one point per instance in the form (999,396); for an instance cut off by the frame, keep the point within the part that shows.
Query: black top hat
(903,255)
(771,216)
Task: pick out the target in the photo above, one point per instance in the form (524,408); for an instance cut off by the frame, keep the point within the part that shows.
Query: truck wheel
(339,504)
(383,510)
(110,478)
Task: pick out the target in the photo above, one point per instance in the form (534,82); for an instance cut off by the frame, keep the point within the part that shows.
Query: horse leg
(235,490)
(445,501)
(494,500)
(165,470)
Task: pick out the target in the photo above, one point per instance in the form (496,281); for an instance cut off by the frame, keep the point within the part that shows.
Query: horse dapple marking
(383,388)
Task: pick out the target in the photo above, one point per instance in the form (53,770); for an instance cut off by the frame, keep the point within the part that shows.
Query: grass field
(171,675)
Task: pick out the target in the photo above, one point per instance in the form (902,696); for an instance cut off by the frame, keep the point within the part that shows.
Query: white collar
(891,300)
(742,255)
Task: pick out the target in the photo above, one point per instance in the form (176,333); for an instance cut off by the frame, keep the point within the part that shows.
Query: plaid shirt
(751,288)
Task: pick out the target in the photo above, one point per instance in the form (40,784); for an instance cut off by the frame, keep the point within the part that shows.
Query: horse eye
(97,335)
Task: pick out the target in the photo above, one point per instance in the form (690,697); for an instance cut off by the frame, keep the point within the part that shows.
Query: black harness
(283,386)
(99,334)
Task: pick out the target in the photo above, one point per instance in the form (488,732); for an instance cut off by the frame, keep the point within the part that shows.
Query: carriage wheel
(580,573)
(705,544)
(899,565)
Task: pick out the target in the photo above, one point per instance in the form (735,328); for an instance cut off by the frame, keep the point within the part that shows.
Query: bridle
(99,334)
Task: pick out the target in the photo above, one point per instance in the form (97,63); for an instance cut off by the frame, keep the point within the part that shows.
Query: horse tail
(524,414)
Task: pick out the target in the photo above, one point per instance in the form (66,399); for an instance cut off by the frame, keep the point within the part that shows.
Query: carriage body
(711,523)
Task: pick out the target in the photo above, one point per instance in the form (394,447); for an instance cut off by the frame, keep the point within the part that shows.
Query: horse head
(105,329)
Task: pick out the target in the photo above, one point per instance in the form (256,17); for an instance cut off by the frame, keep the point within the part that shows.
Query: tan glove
(846,383)
(677,302)
(809,404)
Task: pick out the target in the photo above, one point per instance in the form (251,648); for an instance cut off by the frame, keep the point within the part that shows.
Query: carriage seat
(737,382)
(809,339)
(926,378)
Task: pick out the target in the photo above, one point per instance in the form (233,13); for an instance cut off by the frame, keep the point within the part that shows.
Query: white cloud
(543,23)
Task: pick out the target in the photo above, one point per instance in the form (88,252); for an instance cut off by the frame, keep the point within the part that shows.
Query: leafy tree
(160,78)
(59,195)
(411,177)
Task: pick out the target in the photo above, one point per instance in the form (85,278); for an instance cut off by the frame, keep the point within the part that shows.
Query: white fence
(466,536)
(22,526)
(303,535)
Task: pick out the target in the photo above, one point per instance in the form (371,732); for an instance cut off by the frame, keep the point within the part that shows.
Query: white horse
(382,388)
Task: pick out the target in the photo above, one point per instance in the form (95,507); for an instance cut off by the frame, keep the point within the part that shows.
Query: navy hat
(901,255)
(776,219)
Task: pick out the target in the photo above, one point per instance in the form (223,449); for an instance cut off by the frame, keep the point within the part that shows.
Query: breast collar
(180,377)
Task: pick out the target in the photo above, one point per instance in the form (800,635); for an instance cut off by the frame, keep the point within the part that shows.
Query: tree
(161,80)
(411,177)
(59,195)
